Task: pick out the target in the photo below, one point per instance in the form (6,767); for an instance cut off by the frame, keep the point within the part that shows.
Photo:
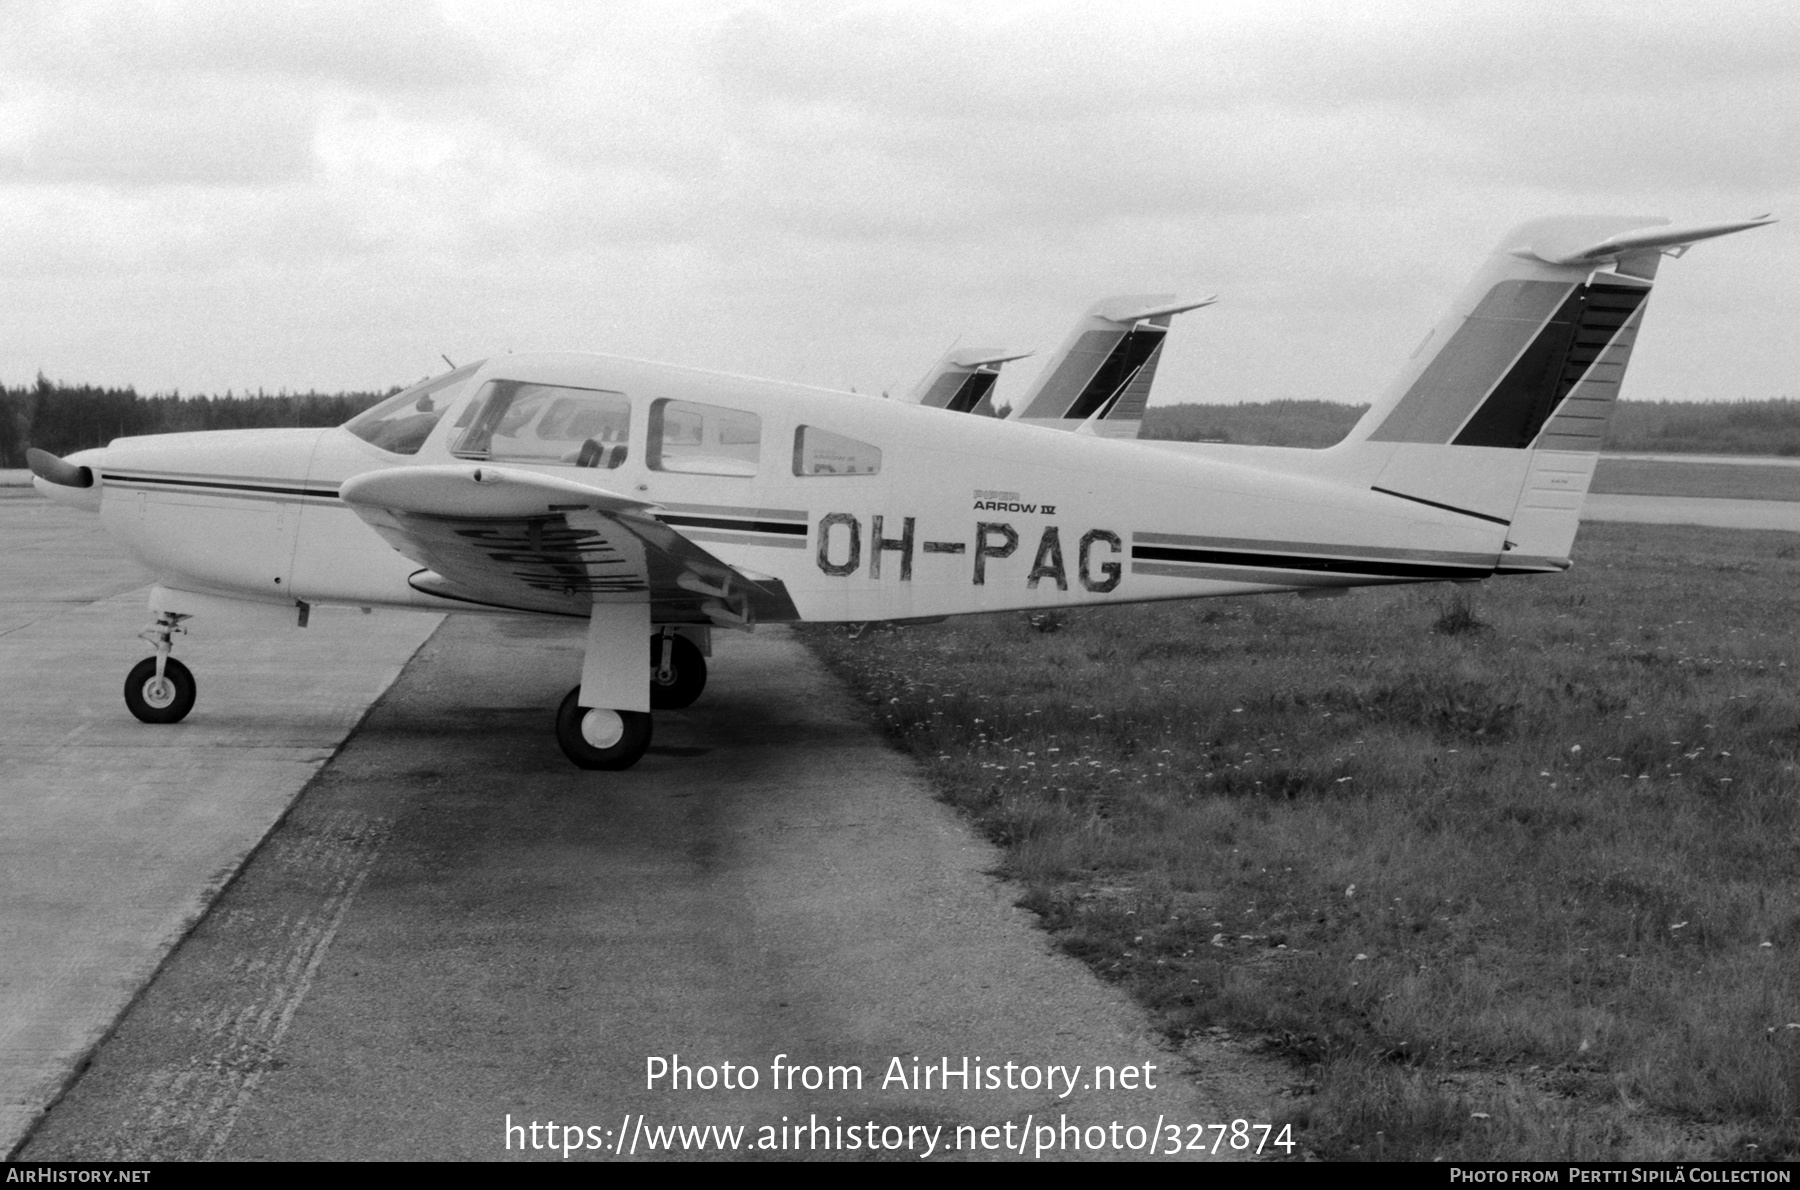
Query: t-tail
(1099,379)
(963,381)
(1500,413)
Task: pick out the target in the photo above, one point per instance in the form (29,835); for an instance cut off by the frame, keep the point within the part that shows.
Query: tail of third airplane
(1500,413)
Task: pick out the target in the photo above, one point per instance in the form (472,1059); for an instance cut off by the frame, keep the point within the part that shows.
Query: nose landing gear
(160,689)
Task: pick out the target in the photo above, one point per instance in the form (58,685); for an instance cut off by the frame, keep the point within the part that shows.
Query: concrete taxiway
(114,835)
(1693,510)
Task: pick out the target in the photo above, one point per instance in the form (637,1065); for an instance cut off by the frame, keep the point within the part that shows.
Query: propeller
(51,469)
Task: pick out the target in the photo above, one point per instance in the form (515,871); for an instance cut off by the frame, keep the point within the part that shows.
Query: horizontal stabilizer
(1126,310)
(1564,249)
(984,357)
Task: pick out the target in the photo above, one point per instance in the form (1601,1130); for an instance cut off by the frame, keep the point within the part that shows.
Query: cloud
(1053,62)
(207,92)
(186,135)
(391,45)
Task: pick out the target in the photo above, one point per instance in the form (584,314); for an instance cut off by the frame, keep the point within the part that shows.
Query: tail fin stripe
(1561,355)
(1121,365)
(1065,386)
(1496,333)
(974,388)
(1128,404)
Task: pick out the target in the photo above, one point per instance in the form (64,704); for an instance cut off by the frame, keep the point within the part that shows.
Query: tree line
(61,418)
(1769,427)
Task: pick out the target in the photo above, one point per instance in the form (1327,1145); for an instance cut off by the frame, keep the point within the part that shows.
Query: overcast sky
(328,194)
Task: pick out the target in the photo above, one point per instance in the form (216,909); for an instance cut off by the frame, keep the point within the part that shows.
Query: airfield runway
(452,926)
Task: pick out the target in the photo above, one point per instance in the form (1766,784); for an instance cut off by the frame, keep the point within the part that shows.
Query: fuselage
(865,509)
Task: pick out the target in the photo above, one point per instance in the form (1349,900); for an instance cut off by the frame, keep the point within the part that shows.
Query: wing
(518,539)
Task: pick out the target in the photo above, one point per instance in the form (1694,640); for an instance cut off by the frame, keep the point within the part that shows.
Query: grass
(1528,891)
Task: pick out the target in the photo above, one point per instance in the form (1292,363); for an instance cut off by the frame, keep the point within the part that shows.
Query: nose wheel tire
(686,677)
(598,738)
(167,699)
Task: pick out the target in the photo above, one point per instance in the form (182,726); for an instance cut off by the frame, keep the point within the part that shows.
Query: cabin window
(695,439)
(820,452)
(520,422)
(401,423)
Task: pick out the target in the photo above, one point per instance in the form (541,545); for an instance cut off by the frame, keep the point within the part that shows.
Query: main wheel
(687,674)
(160,700)
(597,738)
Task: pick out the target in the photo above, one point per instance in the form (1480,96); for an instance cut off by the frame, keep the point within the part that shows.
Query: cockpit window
(546,423)
(401,423)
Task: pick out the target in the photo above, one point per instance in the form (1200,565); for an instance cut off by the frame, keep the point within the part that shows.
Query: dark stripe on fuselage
(713,522)
(207,484)
(1312,565)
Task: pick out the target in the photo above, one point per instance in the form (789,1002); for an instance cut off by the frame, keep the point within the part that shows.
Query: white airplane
(658,502)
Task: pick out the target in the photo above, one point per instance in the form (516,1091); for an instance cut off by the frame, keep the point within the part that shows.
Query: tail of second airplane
(963,381)
(1099,379)
(1501,411)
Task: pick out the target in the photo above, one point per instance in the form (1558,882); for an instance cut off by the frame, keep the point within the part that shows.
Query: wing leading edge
(516,539)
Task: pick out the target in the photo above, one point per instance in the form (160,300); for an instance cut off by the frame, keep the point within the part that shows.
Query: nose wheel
(160,698)
(599,738)
(160,689)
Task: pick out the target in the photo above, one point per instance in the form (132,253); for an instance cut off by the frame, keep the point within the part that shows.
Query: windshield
(402,422)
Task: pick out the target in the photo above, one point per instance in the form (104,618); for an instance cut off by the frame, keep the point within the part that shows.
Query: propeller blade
(51,469)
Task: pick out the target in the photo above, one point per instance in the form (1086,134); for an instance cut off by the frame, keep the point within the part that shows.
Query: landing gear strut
(160,689)
(598,738)
(677,671)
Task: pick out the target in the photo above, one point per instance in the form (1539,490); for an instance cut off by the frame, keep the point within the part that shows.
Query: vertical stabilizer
(963,381)
(1101,375)
(1501,411)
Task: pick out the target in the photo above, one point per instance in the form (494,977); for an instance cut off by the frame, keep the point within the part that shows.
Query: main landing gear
(677,671)
(598,738)
(608,738)
(160,689)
